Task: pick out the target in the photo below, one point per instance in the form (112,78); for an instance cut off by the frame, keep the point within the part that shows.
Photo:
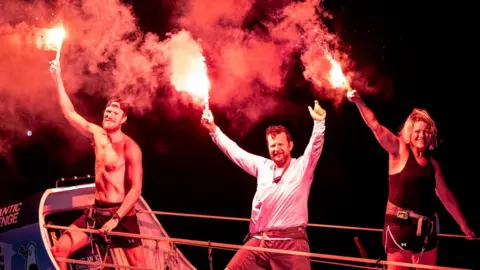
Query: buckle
(402,214)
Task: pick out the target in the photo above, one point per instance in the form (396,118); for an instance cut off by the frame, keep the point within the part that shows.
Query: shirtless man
(118,180)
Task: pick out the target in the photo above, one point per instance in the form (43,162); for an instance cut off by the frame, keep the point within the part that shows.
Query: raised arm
(385,137)
(449,201)
(247,161)
(77,121)
(315,145)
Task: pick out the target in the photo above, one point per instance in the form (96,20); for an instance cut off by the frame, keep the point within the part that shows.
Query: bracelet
(116,216)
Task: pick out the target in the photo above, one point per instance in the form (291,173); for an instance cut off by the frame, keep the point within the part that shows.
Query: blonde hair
(415,116)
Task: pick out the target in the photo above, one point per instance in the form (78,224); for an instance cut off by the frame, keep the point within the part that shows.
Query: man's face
(279,148)
(113,117)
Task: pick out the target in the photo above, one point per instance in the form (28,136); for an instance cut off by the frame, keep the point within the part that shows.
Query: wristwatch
(116,216)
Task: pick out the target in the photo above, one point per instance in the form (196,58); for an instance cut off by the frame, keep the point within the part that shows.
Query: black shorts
(402,234)
(128,224)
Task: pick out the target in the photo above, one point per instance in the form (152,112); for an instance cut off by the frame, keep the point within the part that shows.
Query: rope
(327,262)
(309,224)
(101,264)
(222,245)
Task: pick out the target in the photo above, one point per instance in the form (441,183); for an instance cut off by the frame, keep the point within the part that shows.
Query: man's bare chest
(109,155)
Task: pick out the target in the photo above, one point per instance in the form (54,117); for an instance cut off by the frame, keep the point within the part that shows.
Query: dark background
(419,47)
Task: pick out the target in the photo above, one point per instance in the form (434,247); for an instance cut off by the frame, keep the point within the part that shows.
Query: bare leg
(428,257)
(397,255)
(68,243)
(136,256)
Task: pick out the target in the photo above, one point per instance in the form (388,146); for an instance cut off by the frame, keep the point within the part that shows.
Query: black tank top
(414,187)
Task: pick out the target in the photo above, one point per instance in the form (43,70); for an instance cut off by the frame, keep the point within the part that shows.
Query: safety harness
(91,222)
(425,227)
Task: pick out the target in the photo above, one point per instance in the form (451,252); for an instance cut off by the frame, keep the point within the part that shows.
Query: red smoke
(245,65)
(301,27)
(105,54)
(25,89)
(248,65)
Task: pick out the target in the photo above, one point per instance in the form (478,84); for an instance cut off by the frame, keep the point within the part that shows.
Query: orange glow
(51,39)
(337,78)
(188,68)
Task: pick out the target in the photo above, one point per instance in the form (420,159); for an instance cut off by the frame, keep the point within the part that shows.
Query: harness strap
(210,259)
(393,239)
(90,225)
(91,211)
(431,227)
(107,249)
(406,214)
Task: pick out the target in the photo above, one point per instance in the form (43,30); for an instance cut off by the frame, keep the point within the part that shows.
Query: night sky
(420,61)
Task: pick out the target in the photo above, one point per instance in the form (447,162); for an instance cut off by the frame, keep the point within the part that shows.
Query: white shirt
(279,205)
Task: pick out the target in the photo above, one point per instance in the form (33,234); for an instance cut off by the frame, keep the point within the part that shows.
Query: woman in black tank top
(415,179)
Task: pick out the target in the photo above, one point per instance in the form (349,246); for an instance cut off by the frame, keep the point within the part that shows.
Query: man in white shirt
(280,206)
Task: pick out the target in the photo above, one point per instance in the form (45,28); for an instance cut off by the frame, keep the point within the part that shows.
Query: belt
(104,211)
(298,232)
(101,211)
(404,214)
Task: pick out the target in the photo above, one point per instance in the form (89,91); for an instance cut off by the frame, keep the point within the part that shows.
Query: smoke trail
(104,55)
(245,65)
(24,84)
(187,69)
(249,48)
(301,27)
(114,56)
(251,63)
(17,11)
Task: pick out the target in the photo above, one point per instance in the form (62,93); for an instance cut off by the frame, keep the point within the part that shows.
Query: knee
(140,255)
(139,261)
(136,256)
(60,250)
